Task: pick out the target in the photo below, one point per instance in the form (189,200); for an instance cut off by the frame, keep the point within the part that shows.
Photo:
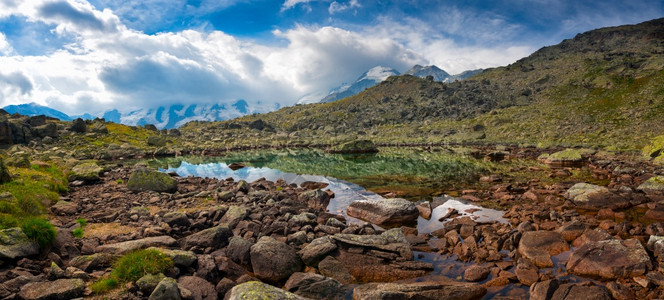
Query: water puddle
(477,213)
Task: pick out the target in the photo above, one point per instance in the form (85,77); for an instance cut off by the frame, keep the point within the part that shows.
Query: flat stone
(539,246)
(475,273)
(96,261)
(610,259)
(124,247)
(387,211)
(445,289)
(317,250)
(61,289)
(215,237)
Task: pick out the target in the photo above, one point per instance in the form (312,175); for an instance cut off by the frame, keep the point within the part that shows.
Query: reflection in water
(479,214)
(345,192)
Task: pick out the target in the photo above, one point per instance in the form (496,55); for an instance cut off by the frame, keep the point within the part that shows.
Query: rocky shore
(229,239)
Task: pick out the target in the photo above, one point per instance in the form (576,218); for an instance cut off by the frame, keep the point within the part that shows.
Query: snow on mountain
(34,109)
(368,79)
(163,117)
(423,72)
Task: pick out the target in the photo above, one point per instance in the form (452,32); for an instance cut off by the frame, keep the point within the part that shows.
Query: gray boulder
(590,196)
(149,180)
(15,244)
(61,289)
(386,211)
(259,290)
(317,250)
(274,261)
(127,246)
(167,289)
(610,259)
(314,286)
(215,237)
(200,288)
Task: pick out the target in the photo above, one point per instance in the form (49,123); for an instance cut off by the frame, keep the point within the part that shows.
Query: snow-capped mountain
(163,117)
(177,115)
(34,109)
(423,72)
(365,81)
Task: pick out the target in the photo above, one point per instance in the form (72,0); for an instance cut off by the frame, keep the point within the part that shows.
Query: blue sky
(93,55)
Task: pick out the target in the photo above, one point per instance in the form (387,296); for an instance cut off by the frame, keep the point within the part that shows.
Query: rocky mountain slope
(423,72)
(602,88)
(366,80)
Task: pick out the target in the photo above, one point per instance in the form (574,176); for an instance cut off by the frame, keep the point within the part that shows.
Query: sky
(89,56)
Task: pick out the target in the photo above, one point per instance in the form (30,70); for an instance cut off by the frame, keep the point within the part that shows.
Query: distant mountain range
(169,117)
(379,74)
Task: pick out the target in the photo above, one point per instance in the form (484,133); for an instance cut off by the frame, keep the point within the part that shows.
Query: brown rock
(610,259)
(475,273)
(200,288)
(539,246)
(451,290)
(526,272)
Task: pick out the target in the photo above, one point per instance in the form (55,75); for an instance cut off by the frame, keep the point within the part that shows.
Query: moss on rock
(149,180)
(87,171)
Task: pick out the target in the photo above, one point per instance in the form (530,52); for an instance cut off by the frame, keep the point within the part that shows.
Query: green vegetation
(78,232)
(132,266)
(39,230)
(603,89)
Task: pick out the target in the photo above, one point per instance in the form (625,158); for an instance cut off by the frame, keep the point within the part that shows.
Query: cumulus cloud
(288,4)
(336,7)
(15,83)
(5,47)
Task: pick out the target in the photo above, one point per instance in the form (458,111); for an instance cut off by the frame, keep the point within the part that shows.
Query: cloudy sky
(93,55)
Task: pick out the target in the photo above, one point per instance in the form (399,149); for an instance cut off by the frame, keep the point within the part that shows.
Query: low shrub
(104,285)
(135,265)
(39,230)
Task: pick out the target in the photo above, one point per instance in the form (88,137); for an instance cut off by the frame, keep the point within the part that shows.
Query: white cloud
(5,47)
(110,66)
(336,7)
(288,4)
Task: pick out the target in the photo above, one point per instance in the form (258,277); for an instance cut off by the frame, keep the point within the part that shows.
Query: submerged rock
(385,211)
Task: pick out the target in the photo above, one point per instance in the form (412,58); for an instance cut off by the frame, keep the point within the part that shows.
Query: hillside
(603,88)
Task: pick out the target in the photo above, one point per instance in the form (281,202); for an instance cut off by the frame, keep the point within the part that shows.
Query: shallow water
(345,192)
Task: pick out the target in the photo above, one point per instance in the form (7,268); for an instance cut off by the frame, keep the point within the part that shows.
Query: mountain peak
(432,70)
(378,73)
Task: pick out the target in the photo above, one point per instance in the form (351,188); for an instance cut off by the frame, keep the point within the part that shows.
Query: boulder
(386,211)
(259,290)
(149,180)
(180,257)
(572,230)
(233,216)
(15,244)
(553,290)
(4,172)
(333,268)
(46,130)
(236,166)
(358,146)
(475,273)
(274,261)
(445,289)
(176,218)
(78,126)
(149,282)
(167,289)
(99,127)
(539,246)
(610,259)
(315,199)
(595,197)
(238,250)
(526,272)
(317,250)
(127,246)
(392,240)
(653,184)
(89,263)
(314,286)
(215,237)
(157,140)
(64,208)
(200,288)
(63,289)
(568,158)
(86,172)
